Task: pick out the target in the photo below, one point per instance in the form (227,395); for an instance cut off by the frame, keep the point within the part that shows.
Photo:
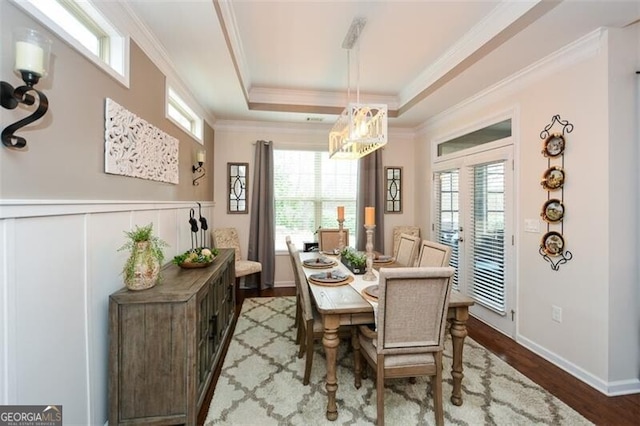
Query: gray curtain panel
(371,192)
(262,227)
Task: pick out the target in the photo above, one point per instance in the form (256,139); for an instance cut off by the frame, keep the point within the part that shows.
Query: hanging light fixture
(361,128)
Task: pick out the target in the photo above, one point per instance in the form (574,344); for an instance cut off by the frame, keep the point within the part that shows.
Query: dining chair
(228,238)
(399,230)
(293,253)
(407,250)
(329,239)
(310,321)
(409,339)
(433,254)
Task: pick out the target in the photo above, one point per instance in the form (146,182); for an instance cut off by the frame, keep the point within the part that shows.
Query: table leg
(330,342)
(458,334)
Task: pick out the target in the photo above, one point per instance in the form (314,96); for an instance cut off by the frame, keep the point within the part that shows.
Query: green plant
(135,237)
(199,255)
(355,258)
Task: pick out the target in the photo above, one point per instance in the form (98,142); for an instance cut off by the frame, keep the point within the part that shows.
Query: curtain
(371,193)
(262,226)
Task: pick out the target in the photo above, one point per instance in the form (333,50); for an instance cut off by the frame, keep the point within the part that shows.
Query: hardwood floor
(593,405)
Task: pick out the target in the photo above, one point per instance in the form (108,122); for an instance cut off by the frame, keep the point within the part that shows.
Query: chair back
(227,238)
(433,254)
(407,250)
(305,296)
(412,310)
(329,239)
(399,230)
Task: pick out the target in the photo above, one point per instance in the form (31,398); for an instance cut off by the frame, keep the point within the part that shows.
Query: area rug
(261,384)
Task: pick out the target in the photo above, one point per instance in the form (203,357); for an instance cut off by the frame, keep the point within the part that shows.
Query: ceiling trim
(227,19)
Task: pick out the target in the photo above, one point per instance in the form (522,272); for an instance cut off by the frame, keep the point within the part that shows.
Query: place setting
(319,263)
(330,278)
(371,293)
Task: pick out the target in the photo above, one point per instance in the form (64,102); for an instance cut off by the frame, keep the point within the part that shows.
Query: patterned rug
(261,384)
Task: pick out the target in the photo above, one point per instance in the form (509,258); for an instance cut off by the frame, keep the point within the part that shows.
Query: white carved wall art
(136,148)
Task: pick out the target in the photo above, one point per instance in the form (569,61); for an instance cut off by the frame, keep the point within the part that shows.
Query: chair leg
(298,320)
(357,357)
(436,389)
(303,340)
(380,390)
(309,360)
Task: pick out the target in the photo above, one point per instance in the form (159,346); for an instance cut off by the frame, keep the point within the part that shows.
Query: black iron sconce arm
(10,98)
(198,169)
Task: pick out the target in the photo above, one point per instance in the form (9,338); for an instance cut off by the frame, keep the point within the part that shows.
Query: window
(84,27)
(482,136)
(309,187)
(181,114)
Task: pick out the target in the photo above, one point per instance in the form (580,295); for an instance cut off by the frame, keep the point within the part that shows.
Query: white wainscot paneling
(50,314)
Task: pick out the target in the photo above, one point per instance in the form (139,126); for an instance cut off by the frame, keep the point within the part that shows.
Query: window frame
(115,62)
(186,113)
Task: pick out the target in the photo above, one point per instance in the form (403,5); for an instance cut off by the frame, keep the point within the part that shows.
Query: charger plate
(319,263)
(330,278)
(371,292)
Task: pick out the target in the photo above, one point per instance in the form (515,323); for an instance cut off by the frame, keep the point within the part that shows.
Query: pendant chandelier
(361,128)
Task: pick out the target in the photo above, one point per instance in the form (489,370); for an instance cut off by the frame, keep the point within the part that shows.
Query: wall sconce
(31,51)
(198,168)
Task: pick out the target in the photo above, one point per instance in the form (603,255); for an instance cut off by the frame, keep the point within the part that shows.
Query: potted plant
(355,260)
(142,268)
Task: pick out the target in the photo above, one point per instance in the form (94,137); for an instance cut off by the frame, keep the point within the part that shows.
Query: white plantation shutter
(308,189)
(485,238)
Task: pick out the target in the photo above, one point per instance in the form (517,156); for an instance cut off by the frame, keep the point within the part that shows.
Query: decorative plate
(192,265)
(372,291)
(333,277)
(383,259)
(553,211)
(319,263)
(553,145)
(553,243)
(553,178)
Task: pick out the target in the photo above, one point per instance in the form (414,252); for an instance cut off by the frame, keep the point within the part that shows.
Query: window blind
(447,215)
(308,188)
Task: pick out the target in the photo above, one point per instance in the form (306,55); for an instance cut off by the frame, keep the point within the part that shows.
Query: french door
(473,200)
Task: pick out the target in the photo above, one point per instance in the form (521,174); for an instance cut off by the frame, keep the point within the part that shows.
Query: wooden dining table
(345,305)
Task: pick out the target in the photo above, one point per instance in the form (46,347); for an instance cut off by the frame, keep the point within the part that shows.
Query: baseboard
(617,388)
(284,284)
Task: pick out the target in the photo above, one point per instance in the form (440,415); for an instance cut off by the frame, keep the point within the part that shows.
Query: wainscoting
(59,262)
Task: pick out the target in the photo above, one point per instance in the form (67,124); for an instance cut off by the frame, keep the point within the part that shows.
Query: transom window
(309,187)
(180,113)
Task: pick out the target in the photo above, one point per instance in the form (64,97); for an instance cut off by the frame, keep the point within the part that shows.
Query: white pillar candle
(29,57)
(200,157)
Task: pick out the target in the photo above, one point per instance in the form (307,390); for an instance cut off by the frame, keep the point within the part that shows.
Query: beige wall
(64,158)
(592,86)
(235,143)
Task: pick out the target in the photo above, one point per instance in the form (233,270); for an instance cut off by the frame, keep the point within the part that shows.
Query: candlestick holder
(369,275)
(340,235)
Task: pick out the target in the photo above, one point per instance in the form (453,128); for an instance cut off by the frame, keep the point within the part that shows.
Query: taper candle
(369,216)
(340,212)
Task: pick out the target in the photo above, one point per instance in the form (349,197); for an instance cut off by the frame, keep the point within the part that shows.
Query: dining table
(346,304)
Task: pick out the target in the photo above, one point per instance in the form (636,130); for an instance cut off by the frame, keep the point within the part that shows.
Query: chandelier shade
(360,130)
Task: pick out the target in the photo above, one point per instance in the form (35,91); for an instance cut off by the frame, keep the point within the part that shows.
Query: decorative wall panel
(136,148)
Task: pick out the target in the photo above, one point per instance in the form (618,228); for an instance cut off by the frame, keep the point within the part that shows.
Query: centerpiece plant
(142,268)
(353,259)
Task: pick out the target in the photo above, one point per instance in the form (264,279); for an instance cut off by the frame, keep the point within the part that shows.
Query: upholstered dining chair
(399,230)
(228,238)
(407,250)
(409,340)
(293,253)
(433,254)
(311,328)
(329,239)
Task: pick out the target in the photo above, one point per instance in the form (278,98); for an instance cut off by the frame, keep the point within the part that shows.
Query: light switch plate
(532,225)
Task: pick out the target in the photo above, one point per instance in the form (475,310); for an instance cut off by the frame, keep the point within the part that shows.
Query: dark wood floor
(596,407)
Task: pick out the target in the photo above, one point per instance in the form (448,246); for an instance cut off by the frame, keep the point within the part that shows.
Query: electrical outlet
(556,313)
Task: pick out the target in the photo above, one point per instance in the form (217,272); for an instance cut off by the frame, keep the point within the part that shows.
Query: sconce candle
(340,212)
(31,61)
(369,216)
(29,57)
(200,157)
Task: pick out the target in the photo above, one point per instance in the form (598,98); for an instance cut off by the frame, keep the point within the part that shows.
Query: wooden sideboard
(165,342)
